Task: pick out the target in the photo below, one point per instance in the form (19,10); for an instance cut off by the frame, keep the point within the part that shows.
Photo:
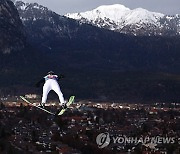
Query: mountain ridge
(49,32)
(12,35)
(121,19)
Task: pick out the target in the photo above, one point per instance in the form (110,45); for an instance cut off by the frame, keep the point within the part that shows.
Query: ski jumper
(51,83)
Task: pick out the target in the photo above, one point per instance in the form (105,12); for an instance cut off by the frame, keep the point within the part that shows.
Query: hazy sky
(71,6)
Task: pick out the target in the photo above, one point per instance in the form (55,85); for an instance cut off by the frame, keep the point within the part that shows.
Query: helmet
(50,73)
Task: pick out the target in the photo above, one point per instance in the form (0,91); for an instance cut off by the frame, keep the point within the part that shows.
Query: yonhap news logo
(104,139)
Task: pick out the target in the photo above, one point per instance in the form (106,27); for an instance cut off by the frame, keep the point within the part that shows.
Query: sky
(168,7)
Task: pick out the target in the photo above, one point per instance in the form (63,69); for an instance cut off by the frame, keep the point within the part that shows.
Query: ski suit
(51,83)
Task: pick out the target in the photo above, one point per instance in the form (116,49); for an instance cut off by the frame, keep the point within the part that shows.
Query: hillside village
(24,128)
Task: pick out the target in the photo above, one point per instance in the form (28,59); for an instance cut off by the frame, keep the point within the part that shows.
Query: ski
(71,100)
(24,99)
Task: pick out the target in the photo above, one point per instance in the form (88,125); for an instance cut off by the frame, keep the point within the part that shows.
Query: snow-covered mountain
(170,25)
(136,22)
(115,17)
(43,25)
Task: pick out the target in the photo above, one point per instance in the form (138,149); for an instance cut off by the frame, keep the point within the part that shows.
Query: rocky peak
(12,36)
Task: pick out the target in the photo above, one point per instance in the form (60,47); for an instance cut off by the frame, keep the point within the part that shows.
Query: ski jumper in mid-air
(51,83)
